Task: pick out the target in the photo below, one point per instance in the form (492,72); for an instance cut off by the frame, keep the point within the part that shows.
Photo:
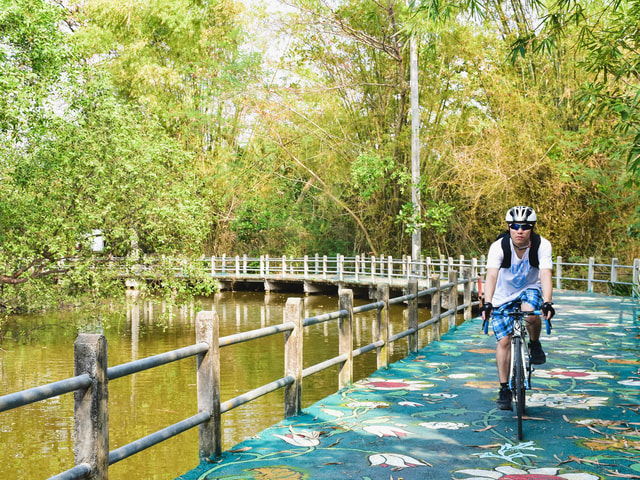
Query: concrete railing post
(412,310)
(468,285)
(324,267)
(558,272)
(373,268)
(434,282)
(591,276)
(293,352)
(208,384)
(381,325)
(345,329)
(614,270)
(452,302)
(91,406)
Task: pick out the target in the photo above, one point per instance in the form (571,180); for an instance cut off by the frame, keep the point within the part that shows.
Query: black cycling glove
(547,307)
(486,307)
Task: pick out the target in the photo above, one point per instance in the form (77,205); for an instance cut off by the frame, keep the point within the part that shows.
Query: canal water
(36,441)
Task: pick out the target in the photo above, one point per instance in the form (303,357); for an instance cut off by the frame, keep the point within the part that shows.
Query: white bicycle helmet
(521,214)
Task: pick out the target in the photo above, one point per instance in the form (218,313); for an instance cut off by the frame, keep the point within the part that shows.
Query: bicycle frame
(520,364)
(520,369)
(518,342)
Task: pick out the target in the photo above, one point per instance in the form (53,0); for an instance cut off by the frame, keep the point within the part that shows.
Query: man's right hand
(486,310)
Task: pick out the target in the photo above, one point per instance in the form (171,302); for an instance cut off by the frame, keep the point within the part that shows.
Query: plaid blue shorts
(502,323)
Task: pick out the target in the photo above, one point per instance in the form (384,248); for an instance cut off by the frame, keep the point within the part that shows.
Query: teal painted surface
(433,414)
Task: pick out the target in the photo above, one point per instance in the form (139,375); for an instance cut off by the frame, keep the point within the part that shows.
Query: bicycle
(520,366)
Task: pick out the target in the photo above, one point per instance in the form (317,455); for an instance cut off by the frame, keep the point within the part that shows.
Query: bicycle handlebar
(485,323)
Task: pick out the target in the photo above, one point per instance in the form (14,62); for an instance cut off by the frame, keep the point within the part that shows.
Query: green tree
(76,159)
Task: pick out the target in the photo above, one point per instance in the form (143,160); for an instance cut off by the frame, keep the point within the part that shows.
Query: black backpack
(506,250)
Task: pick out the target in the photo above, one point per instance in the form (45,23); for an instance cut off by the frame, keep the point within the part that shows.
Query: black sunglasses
(518,226)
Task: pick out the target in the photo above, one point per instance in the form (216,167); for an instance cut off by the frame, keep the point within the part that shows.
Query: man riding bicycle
(519,270)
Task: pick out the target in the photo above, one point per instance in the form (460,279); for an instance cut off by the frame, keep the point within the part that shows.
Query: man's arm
(490,282)
(546,279)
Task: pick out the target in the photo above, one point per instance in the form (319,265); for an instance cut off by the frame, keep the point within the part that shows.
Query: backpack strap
(506,250)
(533,251)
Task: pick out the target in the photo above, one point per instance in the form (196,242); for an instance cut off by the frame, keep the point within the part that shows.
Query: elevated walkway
(433,414)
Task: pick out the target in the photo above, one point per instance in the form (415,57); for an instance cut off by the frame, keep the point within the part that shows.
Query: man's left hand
(547,310)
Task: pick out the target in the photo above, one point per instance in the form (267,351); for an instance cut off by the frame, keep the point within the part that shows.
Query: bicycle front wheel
(519,383)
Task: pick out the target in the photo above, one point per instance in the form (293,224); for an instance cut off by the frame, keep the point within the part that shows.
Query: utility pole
(415,153)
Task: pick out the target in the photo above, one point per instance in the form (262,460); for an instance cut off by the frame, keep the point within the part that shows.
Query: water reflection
(36,441)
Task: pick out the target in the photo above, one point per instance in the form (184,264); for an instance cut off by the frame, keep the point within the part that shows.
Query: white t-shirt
(521,275)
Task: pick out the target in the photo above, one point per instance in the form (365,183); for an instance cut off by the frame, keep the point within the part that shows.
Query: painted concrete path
(433,414)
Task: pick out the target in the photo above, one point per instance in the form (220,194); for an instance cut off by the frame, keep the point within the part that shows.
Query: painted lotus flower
(631,382)
(462,375)
(439,396)
(386,431)
(443,425)
(382,384)
(301,439)
(511,473)
(395,460)
(333,412)
(435,364)
(575,374)
(572,352)
(562,401)
(587,325)
(368,405)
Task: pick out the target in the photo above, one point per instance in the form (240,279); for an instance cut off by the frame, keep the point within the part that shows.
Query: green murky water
(36,441)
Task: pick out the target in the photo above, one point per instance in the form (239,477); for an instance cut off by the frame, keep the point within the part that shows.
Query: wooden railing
(590,275)
(92,374)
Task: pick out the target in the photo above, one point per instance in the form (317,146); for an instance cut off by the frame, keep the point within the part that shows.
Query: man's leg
(533,300)
(503,361)
(534,327)
(534,323)
(503,358)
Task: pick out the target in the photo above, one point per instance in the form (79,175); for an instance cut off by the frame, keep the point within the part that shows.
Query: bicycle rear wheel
(519,383)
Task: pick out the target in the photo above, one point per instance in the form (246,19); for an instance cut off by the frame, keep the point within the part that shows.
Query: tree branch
(328,192)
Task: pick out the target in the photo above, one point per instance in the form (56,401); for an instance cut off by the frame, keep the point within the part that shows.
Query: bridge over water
(433,414)
(412,419)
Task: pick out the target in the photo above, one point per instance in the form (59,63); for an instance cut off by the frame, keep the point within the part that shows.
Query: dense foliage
(190,127)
